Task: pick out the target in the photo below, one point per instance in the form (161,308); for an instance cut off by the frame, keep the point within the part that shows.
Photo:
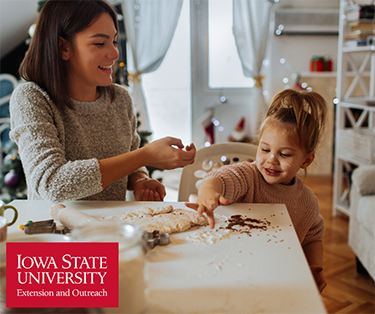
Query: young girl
(288,139)
(75,129)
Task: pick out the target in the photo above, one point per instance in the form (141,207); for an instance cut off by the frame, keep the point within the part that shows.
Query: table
(263,273)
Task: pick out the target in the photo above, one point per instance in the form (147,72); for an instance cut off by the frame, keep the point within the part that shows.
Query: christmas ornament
(12,179)
(239,134)
(208,126)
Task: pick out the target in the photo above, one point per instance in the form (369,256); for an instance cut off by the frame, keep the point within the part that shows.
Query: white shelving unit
(355,115)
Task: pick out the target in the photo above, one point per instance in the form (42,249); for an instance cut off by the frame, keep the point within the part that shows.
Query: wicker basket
(358,145)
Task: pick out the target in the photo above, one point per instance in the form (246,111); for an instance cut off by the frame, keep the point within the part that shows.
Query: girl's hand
(167,153)
(208,200)
(209,197)
(317,272)
(149,190)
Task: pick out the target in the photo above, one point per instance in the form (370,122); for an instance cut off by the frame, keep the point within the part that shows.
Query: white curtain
(150,26)
(251,28)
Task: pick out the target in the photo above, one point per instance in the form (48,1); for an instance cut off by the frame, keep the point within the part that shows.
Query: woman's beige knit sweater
(60,150)
(243,183)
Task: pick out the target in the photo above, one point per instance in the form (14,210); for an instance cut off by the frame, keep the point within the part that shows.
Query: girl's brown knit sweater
(243,183)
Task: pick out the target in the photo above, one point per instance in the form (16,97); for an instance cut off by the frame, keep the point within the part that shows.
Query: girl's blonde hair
(303,114)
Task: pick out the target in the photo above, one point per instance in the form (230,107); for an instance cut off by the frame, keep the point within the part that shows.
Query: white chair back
(208,159)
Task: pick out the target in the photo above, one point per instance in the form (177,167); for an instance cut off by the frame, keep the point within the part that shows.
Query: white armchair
(362,218)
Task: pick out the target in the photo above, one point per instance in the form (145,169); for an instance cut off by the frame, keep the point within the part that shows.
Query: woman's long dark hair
(42,63)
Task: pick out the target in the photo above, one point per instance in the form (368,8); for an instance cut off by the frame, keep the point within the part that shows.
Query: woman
(75,129)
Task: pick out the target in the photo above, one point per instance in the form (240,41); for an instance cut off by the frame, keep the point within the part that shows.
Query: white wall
(291,54)
(16,16)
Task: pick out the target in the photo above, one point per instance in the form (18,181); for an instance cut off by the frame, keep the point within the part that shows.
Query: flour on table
(165,219)
(109,217)
(208,236)
(211,236)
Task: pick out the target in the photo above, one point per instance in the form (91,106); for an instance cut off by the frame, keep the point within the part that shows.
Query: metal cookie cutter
(44,226)
(155,238)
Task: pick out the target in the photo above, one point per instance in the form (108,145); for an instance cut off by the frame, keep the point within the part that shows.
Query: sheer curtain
(150,26)
(251,28)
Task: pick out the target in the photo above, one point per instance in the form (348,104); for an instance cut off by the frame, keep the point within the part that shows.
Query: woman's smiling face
(91,58)
(279,157)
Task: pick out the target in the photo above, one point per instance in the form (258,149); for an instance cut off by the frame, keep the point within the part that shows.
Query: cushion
(364,179)
(366,213)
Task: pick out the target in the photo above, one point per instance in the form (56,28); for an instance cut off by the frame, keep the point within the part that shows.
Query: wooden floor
(346,291)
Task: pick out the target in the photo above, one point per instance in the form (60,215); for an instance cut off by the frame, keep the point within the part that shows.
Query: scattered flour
(208,236)
(211,236)
(109,217)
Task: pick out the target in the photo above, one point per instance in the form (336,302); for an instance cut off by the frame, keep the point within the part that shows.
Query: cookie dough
(165,219)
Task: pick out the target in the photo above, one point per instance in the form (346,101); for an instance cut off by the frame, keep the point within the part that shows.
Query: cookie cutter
(44,226)
(155,238)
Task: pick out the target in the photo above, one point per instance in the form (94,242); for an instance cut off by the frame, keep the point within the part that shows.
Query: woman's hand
(149,190)
(168,153)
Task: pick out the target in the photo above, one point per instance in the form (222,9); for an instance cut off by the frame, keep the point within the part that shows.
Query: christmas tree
(12,177)
(41,3)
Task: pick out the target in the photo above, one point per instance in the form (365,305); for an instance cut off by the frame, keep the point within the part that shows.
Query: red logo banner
(62,274)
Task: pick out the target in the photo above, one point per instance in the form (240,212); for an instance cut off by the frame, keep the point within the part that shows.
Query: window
(224,63)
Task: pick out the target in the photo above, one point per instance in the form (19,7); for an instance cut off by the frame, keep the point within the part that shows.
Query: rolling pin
(70,217)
